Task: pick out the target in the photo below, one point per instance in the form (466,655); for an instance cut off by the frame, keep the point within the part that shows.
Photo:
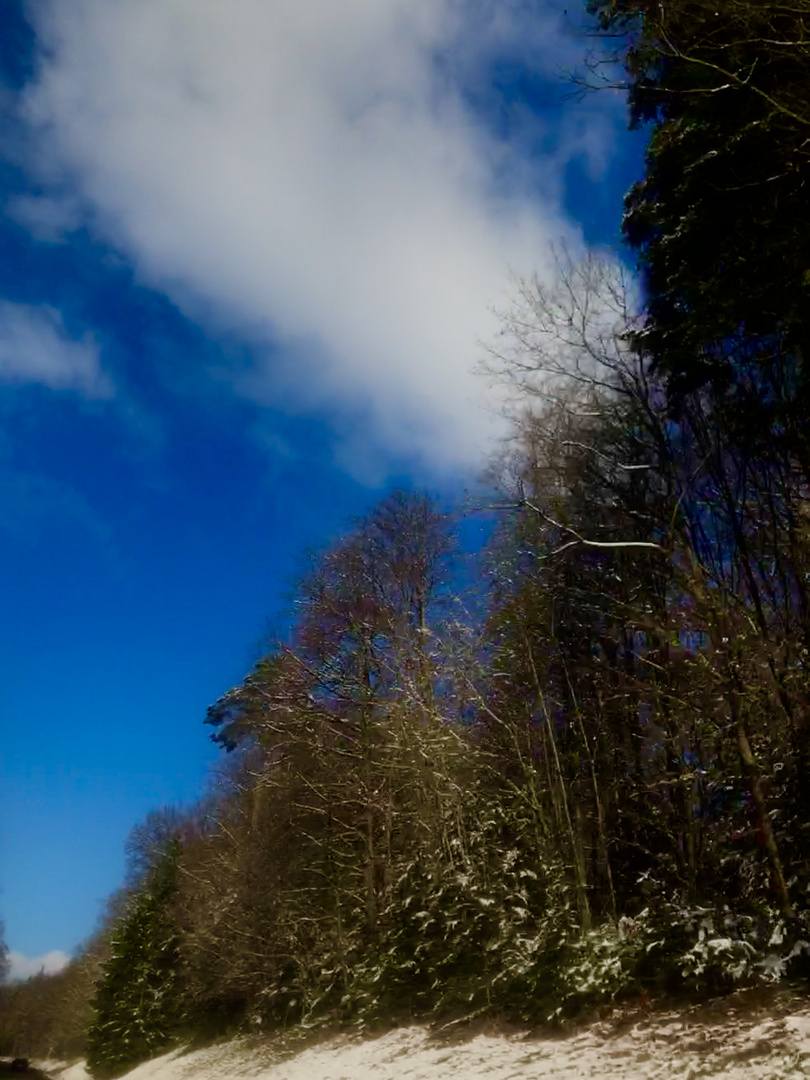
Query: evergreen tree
(135,1006)
(721,219)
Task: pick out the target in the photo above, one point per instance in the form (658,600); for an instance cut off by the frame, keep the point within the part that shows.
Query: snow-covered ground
(734,1039)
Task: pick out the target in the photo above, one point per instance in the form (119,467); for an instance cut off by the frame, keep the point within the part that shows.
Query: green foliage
(453,927)
(703,950)
(720,219)
(136,1001)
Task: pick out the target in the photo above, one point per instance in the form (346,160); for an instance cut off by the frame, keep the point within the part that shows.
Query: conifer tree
(135,1006)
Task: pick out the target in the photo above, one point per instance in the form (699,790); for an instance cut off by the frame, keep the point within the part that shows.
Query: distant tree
(4,961)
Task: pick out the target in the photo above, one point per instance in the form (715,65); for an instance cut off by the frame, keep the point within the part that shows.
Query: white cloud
(36,348)
(23,967)
(309,175)
(50,219)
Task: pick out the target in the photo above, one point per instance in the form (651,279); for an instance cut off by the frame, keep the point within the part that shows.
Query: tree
(334,725)
(4,961)
(136,1002)
(150,841)
(721,221)
(649,530)
(722,228)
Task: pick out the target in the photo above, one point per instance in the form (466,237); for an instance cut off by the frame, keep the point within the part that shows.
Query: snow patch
(740,1045)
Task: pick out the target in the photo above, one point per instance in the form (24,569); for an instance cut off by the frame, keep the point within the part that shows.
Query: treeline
(573,765)
(48,1016)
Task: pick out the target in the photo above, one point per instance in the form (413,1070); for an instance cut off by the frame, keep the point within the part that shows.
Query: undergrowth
(465,952)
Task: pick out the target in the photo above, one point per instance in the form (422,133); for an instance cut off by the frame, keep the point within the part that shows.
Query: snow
(735,1041)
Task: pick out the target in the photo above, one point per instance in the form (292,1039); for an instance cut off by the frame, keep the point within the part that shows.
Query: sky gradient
(249,256)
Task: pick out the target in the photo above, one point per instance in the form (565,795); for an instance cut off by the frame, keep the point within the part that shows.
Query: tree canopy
(721,219)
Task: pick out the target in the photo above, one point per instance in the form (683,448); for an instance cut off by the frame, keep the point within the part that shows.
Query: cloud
(35,347)
(23,967)
(312,176)
(48,218)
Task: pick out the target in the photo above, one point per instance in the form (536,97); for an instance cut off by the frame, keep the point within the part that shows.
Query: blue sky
(248,255)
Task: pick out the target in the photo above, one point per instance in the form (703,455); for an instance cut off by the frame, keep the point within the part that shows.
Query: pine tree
(720,219)
(135,1006)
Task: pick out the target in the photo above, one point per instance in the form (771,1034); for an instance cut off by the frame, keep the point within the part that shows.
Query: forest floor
(750,1035)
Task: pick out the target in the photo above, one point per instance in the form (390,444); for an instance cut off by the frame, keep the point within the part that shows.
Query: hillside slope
(736,1039)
